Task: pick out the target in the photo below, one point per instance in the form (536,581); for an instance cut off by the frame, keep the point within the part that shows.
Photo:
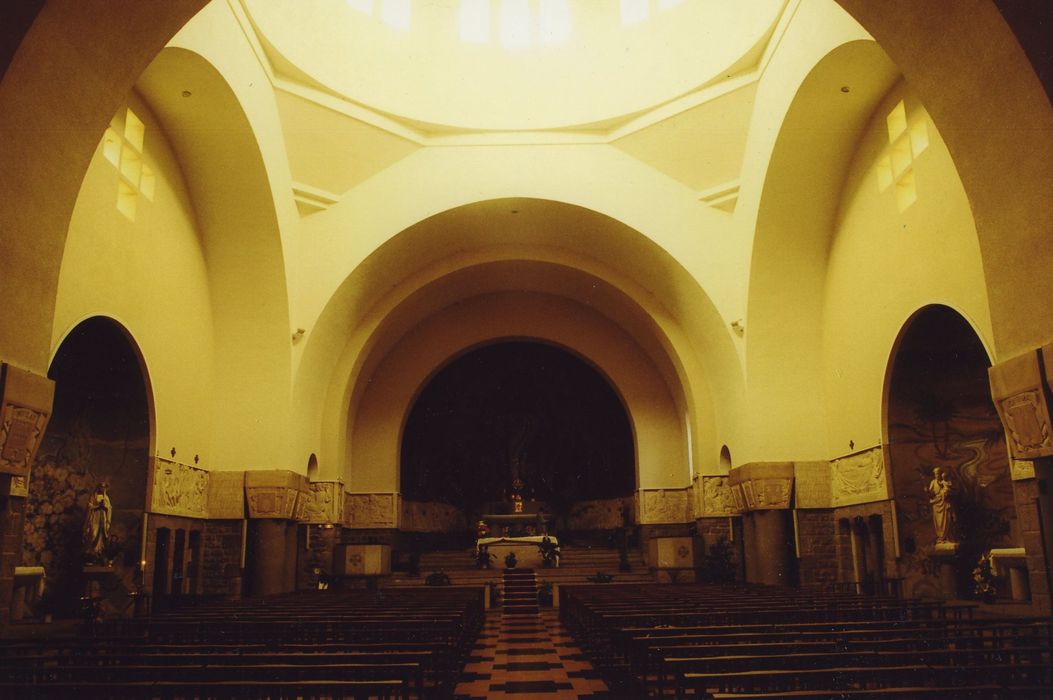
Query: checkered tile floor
(527,656)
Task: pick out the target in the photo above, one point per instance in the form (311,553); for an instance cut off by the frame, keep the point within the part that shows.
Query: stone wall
(1028,518)
(12,511)
(317,550)
(816,535)
(221,558)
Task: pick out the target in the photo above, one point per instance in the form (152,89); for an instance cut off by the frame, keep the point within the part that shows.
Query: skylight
(519,23)
(397,14)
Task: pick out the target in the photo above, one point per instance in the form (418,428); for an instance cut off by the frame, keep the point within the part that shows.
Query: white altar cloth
(528,554)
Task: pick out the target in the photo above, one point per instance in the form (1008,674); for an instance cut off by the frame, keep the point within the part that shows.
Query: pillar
(25,408)
(267,575)
(275,499)
(749,548)
(773,547)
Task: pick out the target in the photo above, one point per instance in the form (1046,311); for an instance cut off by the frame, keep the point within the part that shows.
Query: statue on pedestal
(941,489)
(97,524)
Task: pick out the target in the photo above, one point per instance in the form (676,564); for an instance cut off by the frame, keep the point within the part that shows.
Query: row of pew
(398,644)
(747,641)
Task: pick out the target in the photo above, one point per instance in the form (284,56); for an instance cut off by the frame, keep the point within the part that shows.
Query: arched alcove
(517,409)
(940,416)
(100,432)
(725,460)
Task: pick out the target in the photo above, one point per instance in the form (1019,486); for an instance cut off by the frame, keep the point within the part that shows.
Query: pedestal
(1012,561)
(944,555)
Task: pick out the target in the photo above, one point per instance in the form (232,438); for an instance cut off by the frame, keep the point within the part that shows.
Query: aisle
(528,656)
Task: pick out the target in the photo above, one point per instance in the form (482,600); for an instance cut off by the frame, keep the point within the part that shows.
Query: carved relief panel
(859,478)
(665,506)
(371,510)
(1017,387)
(25,408)
(274,494)
(324,503)
(718,498)
(179,489)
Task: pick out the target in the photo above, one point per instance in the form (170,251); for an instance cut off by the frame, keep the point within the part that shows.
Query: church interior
(549,318)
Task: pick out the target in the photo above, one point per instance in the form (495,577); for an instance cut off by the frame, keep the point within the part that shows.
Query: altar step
(577,564)
(519,594)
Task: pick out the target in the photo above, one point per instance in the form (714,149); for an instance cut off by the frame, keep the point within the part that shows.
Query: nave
(600,641)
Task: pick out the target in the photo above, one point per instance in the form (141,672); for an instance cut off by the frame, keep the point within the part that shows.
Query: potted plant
(549,551)
(984,584)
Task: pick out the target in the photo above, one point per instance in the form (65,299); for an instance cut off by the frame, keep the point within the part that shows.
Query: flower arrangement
(984,579)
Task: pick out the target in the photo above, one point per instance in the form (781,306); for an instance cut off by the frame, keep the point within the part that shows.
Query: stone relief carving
(1026,424)
(717,497)
(738,497)
(19,486)
(665,506)
(272,502)
(274,493)
(1021,469)
(370,510)
(859,478)
(323,504)
(20,431)
(772,492)
(179,489)
(431,517)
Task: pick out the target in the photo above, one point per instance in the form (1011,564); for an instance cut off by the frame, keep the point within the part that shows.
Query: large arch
(385,395)
(239,221)
(544,247)
(795,224)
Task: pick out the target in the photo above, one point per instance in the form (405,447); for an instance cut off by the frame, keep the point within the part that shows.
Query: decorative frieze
(25,407)
(179,489)
(859,478)
(664,506)
(274,493)
(718,499)
(324,503)
(370,510)
(1017,387)
(431,517)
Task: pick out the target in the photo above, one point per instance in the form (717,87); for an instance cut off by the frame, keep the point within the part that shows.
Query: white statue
(97,524)
(943,516)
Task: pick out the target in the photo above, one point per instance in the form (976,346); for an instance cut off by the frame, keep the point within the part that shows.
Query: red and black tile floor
(525,656)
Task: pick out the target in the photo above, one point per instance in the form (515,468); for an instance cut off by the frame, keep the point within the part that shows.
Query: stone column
(774,547)
(25,408)
(267,570)
(749,548)
(275,498)
(766,489)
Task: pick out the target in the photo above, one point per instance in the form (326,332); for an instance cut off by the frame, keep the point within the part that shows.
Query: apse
(517,409)
(99,432)
(940,416)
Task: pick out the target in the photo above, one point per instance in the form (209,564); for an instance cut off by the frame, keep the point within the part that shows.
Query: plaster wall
(886,264)
(150,275)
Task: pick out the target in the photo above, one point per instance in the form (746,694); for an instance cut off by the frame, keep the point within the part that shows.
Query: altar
(527,549)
